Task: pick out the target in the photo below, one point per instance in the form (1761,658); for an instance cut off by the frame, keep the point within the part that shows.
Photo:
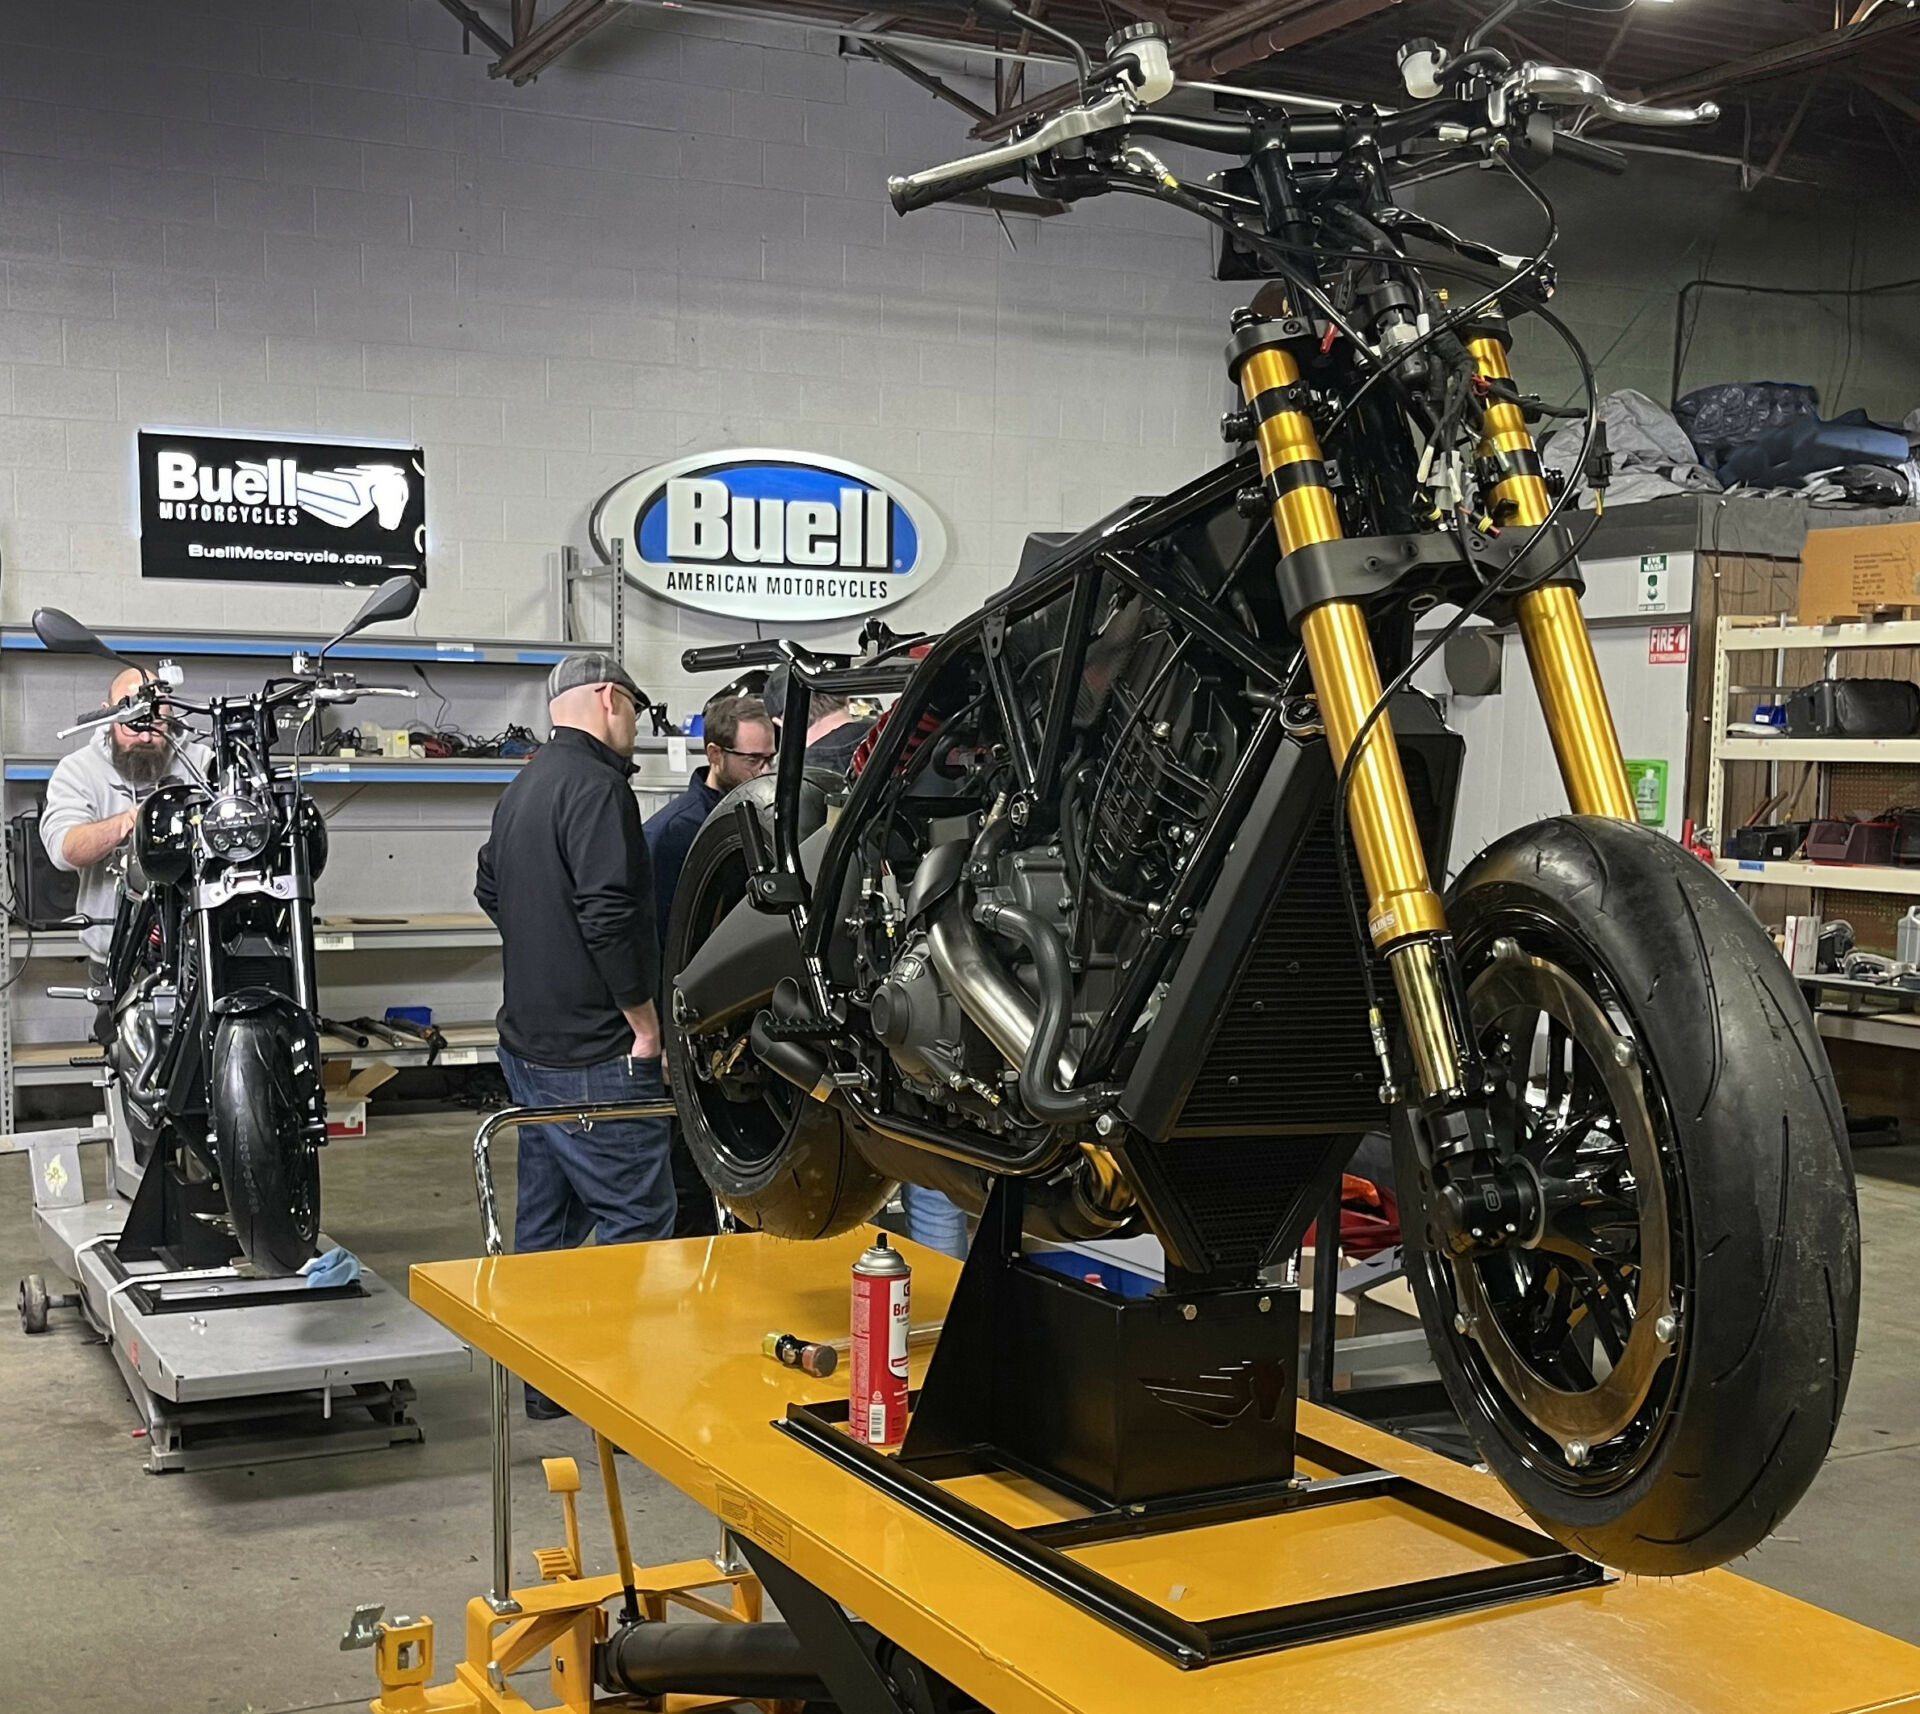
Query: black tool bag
(1854,708)
(41,893)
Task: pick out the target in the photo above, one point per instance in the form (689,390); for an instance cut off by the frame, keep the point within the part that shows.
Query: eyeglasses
(758,760)
(622,690)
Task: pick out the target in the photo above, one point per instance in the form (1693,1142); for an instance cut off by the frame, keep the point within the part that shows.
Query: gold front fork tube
(1404,911)
(1559,651)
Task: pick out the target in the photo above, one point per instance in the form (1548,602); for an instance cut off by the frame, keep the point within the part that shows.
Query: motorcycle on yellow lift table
(1130,905)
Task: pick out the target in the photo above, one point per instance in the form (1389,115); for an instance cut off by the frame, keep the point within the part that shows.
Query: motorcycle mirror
(394,599)
(62,634)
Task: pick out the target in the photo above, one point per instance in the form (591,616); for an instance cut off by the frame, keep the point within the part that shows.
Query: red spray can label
(877,1366)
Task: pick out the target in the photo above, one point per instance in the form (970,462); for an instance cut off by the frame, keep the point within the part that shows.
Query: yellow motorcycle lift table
(657,1347)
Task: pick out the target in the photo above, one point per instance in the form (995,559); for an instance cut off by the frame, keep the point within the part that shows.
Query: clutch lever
(118,715)
(1569,86)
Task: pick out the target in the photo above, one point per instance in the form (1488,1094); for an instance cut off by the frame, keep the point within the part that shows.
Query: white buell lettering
(759,530)
(250,484)
(697,518)
(173,476)
(853,522)
(812,530)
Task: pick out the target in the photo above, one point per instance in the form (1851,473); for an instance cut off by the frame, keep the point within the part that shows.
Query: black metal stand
(1157,1414)
(178,1221)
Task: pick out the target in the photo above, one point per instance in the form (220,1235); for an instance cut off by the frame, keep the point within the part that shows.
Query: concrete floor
(227,1591)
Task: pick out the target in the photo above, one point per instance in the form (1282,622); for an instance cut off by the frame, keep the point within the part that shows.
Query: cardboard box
(347,1092)
(1847,574)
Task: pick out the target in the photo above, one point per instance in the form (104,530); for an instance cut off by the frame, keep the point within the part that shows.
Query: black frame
(1042,1553)
(1066,1385)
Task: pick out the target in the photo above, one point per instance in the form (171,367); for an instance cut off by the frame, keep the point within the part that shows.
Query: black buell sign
(244,510)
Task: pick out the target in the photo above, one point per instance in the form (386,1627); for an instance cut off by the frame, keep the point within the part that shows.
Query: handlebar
(144,705)
(1122,108)
(765,652)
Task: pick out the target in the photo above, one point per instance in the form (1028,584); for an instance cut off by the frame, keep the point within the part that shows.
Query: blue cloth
(934,1220)
(611,1177)
(670,834)
(335,1267)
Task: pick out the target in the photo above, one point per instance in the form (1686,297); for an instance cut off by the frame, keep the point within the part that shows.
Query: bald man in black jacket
(566,877)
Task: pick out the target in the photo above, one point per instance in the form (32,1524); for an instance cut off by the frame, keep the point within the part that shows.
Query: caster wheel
(33,1304)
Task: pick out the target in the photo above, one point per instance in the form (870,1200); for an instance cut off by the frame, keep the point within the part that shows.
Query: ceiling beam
(932,85)
(475,25)
(1303,25)
(1787,136)
(1891,96)
(523,19)
(1807,54)
(552,39)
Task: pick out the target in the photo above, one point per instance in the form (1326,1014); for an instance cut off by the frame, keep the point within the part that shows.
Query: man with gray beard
(93,798)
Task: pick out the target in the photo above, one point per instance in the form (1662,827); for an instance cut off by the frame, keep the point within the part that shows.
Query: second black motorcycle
(213,1053)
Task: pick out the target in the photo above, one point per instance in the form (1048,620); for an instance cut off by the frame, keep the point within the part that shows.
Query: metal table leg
(500,1596)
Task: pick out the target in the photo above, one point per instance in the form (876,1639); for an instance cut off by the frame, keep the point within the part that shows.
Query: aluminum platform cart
(223,1368)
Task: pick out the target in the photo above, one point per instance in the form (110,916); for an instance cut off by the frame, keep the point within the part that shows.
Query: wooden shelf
(341,932)
(1894,634)
(37,1063)
(1830,877)
(1902,750)
(1877,1029)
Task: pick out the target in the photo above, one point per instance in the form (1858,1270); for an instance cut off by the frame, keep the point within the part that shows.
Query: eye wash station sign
(766,534)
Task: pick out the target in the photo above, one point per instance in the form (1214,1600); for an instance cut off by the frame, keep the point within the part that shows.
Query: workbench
(657,1347)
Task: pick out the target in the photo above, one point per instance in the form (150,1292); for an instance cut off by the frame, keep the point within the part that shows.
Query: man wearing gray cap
(565,875)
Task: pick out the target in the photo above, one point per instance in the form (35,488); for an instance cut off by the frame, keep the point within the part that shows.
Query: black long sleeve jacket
(565,875)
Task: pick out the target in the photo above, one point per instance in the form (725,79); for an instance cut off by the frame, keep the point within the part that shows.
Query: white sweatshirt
(87,787)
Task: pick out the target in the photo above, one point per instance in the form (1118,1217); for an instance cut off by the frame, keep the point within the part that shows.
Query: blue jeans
(935,1221)
(612,1177)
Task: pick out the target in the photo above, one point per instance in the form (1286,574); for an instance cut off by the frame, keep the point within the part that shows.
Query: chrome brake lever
(1568,86)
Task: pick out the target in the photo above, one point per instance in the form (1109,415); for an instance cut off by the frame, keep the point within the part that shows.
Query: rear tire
(1754,1184)
(776,1159)
(269,1169)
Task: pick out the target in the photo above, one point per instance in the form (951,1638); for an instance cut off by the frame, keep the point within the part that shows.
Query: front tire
(1647,1041)
(269,1168)
(775,1158)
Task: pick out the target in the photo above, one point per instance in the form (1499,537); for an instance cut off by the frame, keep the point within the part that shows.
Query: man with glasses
(93,799)
(566,877)
(739,741)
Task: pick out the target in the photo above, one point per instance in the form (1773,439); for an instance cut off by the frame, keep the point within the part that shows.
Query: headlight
(236,828)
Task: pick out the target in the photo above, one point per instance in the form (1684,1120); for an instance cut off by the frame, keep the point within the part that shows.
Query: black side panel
(1259,1075)
(743,960)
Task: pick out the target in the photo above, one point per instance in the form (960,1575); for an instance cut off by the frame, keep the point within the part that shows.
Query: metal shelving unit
(243,645)
(1742,637)
(46,1062)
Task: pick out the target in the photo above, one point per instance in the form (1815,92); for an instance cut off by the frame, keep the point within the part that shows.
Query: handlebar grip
(1586,154)
(723,655)
(908,194)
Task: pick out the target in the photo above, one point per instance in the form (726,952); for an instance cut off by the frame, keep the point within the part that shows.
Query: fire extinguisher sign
(1668,645)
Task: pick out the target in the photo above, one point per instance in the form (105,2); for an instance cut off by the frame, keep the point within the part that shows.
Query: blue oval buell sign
(760,534)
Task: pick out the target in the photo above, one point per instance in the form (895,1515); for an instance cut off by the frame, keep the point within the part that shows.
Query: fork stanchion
(500,1596)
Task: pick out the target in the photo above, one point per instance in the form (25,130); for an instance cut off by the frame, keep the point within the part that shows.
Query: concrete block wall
(1629,244)
(276,214)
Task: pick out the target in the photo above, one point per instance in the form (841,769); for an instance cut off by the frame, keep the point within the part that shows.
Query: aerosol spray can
(877,1367)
